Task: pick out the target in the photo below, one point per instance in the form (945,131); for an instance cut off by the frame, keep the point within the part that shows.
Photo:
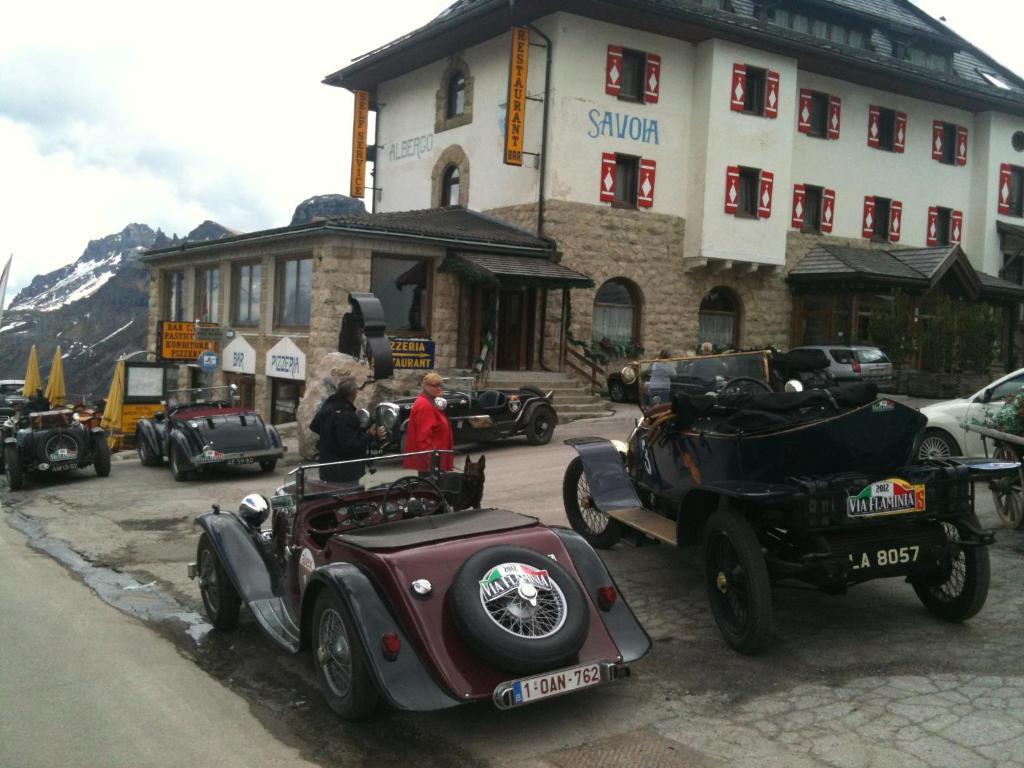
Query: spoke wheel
(737,581)
(13,469)
(616,393)
(589,522)
(178,468)
(937,445)
(1007,491)
(959,590)
(220,599)
(340,660)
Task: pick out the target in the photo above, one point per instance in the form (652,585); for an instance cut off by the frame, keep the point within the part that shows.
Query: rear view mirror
(986,396)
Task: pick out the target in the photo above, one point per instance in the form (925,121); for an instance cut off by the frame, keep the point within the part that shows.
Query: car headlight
(629,374)
(386,415)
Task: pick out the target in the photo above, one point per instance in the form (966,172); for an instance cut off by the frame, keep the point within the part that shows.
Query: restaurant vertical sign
(357,186)
(515,120)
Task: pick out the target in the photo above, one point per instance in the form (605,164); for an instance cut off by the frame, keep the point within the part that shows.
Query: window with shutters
(812,208)
(753,99)
(633,64)
(1011,191)
(819,114)
(949,143)
(880,226)
(947,150)
(943,222)
(626,171)
(887,129)
(748,186)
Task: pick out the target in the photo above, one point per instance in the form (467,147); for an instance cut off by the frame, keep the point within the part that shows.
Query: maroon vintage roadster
(404,599)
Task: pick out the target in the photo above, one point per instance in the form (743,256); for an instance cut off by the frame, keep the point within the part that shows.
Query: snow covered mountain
(95,308)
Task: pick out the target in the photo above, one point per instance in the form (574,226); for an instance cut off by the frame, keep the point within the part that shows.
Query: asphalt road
(864,679)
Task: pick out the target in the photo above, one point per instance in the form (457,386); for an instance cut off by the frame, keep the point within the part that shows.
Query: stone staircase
(572,399)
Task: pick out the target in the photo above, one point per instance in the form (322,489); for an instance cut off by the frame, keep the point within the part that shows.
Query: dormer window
(456,95)
(450,187)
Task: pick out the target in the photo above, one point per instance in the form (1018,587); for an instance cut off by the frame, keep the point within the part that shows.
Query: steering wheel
(406,485)
(744,385)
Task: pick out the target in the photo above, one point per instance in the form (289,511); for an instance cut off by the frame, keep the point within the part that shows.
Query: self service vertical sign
(357,187)
(515,120)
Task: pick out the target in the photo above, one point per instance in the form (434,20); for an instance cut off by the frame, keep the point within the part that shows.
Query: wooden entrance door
(515,329)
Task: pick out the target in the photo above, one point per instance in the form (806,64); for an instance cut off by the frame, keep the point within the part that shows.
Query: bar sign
(515,122)
(357,187)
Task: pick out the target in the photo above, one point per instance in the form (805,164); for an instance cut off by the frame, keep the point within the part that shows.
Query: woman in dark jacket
(341,436)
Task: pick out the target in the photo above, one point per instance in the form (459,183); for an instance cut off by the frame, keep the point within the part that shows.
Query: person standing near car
(428,427)
(342,438)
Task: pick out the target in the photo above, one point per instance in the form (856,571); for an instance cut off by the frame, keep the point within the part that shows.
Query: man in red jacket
(428,427)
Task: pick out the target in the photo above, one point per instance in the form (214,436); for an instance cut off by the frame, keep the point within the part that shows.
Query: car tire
(13,469)
(178,468)
(597,528)
(340,660)
(616,392)
(540,425)
(101,463)
(142,448)
(220,598)
(505,630)
(962,591)
(736,577)
(268,465)
(937,444)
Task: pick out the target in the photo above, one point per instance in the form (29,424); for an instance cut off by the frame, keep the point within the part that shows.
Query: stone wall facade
(647,249)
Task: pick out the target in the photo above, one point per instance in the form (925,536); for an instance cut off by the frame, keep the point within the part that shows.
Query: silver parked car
(856,363)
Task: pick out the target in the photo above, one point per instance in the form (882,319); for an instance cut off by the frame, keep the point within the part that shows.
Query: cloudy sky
(116,112)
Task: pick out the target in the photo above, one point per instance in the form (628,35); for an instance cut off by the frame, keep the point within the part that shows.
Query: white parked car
(944,435)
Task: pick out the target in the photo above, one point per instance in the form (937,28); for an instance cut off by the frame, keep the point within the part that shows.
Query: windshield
(179,397)
(662,378)
(12,388)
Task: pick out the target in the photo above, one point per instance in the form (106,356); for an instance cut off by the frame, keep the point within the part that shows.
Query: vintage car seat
(492,400)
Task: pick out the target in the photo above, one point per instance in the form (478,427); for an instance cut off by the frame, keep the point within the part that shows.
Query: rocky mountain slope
(95,308)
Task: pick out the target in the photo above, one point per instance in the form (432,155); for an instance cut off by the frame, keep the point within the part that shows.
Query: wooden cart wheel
(1007,491)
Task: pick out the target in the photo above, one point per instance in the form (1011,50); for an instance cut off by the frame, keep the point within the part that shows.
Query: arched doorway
(718,319)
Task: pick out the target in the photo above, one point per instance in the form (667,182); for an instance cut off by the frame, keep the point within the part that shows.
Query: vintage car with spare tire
(51,442)
(406,600)
(203,428)
(774,482)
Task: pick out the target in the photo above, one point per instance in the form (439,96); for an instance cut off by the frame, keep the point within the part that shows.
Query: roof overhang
(500,269)
(691,22)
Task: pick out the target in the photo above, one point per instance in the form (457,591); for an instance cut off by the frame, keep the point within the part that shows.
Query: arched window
(450,186)
(718,319)
(616,312)
(456,95)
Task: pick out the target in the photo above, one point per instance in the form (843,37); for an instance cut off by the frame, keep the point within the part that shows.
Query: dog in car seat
(471,494)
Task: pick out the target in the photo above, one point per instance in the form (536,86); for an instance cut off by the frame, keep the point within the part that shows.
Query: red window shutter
(937,147)
(828,210)
(868,219)
(799,202)
(613,71)
(895,220)
(732,189)
(803,115)
(652,78)
(1005,179)
(764,196)
(739,87)
(932,233)
(607,177)
(835,109)
(900,139)
(645,184)
(771,95)
(956,226)
(961,146)
(874,129)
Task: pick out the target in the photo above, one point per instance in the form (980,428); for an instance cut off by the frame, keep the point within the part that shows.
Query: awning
(496,268)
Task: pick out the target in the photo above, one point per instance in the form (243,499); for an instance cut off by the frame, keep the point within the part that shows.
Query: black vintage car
(819,486)
(477,416)
(51,442)
(204,428)
(11,397)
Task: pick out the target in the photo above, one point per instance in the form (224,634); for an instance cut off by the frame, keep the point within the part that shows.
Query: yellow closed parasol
(56,392)
(32,378)
(115,402)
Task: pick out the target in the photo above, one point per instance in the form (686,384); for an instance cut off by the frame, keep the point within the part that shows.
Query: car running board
(649,523)
(275,620)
